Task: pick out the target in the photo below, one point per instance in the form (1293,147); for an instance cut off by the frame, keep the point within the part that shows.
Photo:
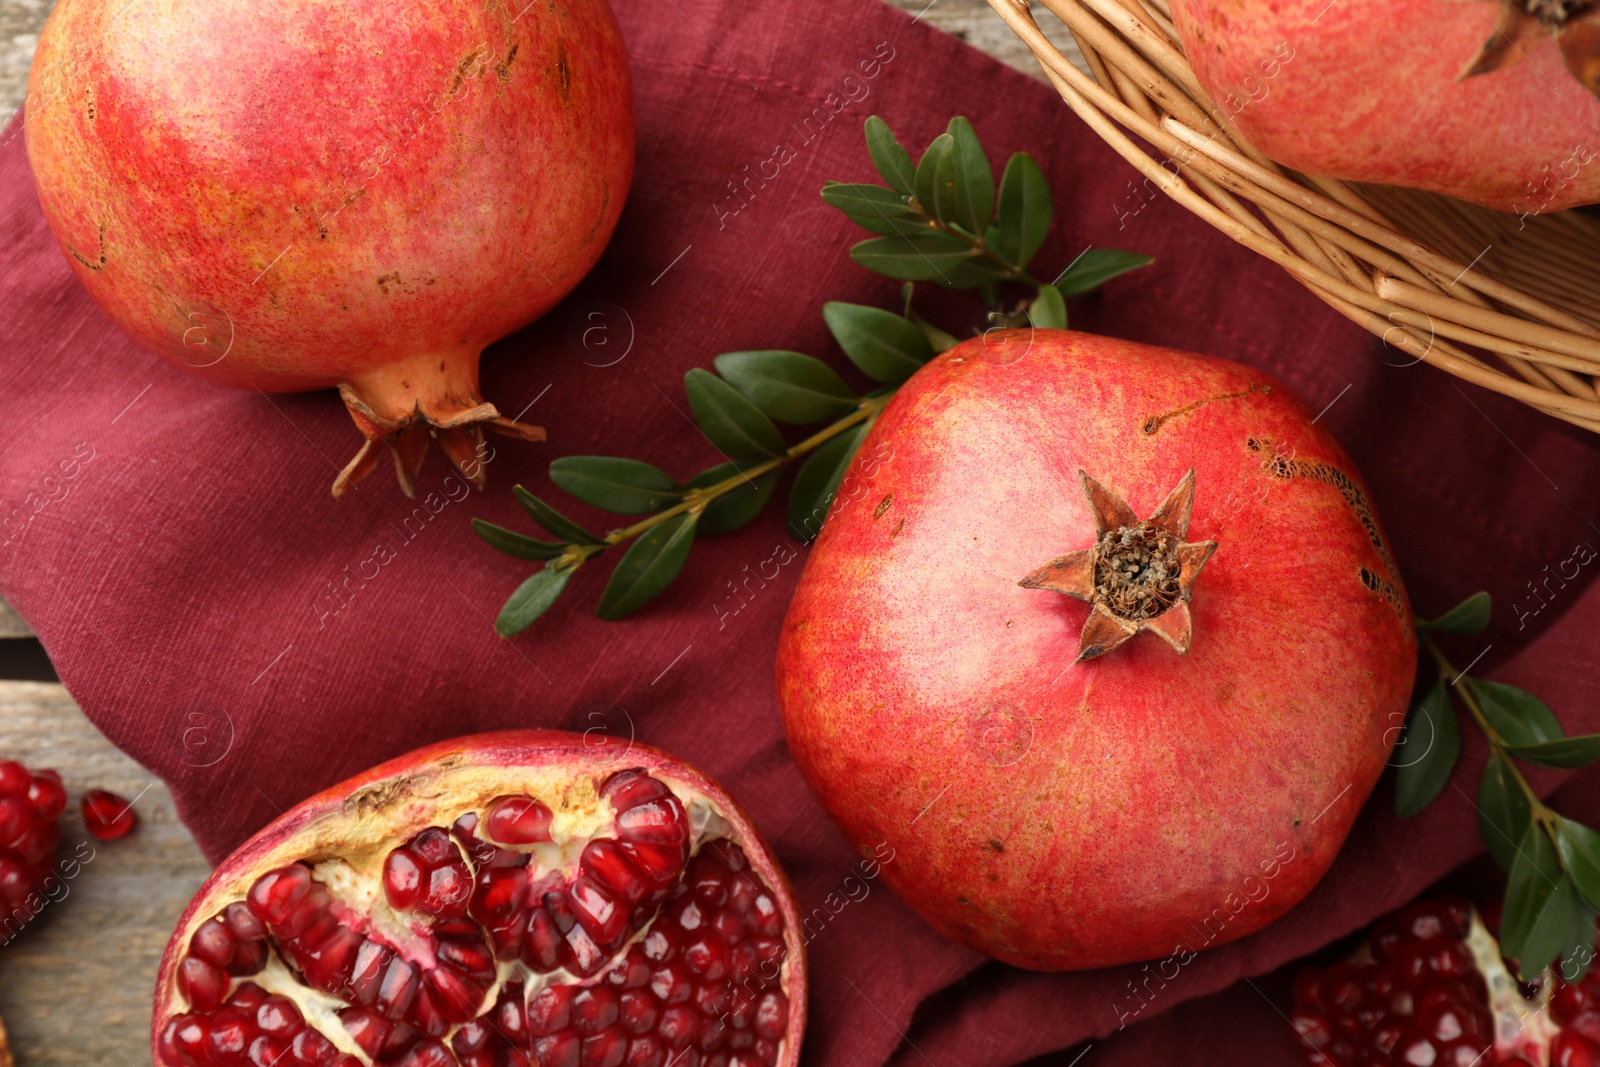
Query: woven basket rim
(1396,261)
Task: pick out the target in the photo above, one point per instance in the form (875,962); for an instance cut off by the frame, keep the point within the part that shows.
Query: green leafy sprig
(1552,863)
(942,220)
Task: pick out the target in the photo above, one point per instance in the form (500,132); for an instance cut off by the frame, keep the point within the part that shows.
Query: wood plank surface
(75,986)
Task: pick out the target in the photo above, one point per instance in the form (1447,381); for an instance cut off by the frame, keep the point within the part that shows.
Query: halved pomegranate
(1428,988)
(520,899)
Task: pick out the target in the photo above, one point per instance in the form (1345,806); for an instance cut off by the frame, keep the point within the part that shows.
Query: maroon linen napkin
(174,544)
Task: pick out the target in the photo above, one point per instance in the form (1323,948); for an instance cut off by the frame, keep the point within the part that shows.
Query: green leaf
(1503,815)
(514,544)
(818,481)
(1427,752)
(1577,951)
(1540,903)
(893,162)
(736,507)
(648,567)
(551,519)
(974,181)
(1468,617)
(623,486)
(1048,311)
(918,258)
(1580,853)
(735,425)
(532,599)
(1025,210)
(936,181)
(875,208)
(887,347)
(938,339)
(1096,267)
(1518,716)
(788,386)
(1566,753)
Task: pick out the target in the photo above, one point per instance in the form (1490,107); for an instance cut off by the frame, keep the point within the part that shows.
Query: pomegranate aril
(448,891)
(659,822)
(599,914)
(106,815)
(397,990)
(645,1052)
(1570,1049)
(46,795)
(213,943)
(679,1026)
(311,1046)
(276,894)
(607,863)
(402,879)
(557,1050)
(266,1051)
(366,1029)
(201,984)
(593,1010)
(637,1011)
(604,1050)
(772,1015)
(518,821)
(427,1054)
(1569,1001)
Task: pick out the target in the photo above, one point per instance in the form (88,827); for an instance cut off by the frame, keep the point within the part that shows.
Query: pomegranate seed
(659,822)
(311,1047)
(266,1051)
(47,796)
(645,1052)
(106,815)
(201,984)
(518,821)
(213,943)
(557,1050)
(604,1050)
(402,879)
(1573,1050)
(772,1015)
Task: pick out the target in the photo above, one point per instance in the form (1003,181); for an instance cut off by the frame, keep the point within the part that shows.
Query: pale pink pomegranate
(1486,100)
(521,899)
(329,193)
(1106,643)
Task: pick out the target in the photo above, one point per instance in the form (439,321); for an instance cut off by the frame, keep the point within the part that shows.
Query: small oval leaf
(648,567)
(515,544)
(737,506)
(1503,815)
(1048,311)
(735,425)
(1567,753)
(1427,752)
(551,519)
(1519,717)
(814,487)
(1540,903)
(893,161)
(930,256)
(887,347)
(1468,617)
(1580,852)
(935,180)
(972,178)
(532,599)
(1096,267)
(611,483)
(788,386)
(1025,210)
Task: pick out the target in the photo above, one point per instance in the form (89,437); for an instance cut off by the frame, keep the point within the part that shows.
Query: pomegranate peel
(1520,24)
(1137,575)
(933,704)
(504,899)
(295,211)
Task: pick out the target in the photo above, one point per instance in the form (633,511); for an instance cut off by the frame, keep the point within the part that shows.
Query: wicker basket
(1506,302)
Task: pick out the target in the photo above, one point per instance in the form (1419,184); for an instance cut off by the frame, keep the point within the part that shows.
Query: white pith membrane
(1522,1027)
(347,850)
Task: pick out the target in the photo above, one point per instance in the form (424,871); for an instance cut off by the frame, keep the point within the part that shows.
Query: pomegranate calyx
(1137,574)
(460,435)
(1575,24)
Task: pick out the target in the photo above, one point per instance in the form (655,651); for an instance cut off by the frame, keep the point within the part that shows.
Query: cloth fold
(243,636)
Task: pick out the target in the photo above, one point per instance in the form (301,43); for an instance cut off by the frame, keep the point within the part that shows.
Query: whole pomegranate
(1428,987)
(504,900)
(30,804)
(963,672)
(1487,100)
(332,193)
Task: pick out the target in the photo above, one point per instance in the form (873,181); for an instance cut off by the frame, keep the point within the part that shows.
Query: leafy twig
(941,220)
(1552,864)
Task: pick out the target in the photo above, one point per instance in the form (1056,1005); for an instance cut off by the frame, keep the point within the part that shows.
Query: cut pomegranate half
(1428,988)
(506,900)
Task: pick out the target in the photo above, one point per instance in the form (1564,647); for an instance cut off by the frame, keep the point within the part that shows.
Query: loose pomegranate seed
(106,815)
(30,803)
(702,986)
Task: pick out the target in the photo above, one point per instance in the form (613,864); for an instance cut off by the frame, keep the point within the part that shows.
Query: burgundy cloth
(179,576)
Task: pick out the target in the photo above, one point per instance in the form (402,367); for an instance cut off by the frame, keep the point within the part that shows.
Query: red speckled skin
(331,191)
(1370,93)
(1061,817)
(313,827)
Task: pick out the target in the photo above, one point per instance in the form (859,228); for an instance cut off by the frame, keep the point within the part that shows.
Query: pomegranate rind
(1143,805)
(374,812)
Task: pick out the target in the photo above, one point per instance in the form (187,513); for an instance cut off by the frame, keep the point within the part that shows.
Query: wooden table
(75,990)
